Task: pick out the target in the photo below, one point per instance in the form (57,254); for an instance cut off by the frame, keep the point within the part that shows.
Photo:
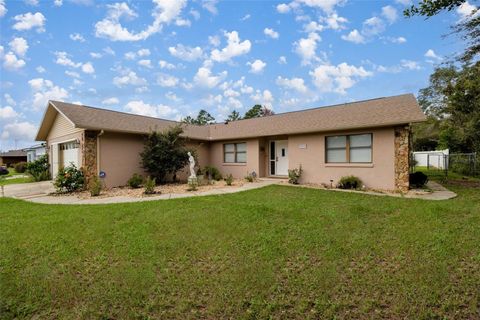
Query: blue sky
(172,58)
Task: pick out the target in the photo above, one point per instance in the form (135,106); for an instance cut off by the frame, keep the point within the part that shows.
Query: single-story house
(12,157)
(35,152)
(369,139)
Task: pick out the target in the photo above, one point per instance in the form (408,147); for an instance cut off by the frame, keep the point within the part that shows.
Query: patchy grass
(278,252)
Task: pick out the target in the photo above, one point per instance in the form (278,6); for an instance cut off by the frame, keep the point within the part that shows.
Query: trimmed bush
(149,185)
(212,173)
(20,167)
(249,177)
(294,175)
(135,181)
(418,179)
(349,182)
(69,179)
(38,169)
(229,179)
(95,187)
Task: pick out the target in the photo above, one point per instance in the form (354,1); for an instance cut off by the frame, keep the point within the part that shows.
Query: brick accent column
(402,155)
(90,155)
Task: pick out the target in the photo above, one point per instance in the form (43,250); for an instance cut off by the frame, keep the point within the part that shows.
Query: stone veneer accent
(90,155)
(402,155)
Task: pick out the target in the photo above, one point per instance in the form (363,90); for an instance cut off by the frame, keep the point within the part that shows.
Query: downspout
(98,151)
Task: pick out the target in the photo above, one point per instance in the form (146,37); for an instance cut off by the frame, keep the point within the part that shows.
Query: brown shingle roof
(379,112)
(13,153)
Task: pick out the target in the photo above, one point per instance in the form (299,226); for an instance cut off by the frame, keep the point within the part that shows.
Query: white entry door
(281,157)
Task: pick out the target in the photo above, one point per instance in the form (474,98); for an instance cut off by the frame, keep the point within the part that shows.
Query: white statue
(192,165)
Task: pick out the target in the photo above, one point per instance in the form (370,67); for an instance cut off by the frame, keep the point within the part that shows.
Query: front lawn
(279,252)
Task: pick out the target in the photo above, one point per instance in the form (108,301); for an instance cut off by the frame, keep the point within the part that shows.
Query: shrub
(229,179)
(38,169)
(95,186)
(249,177)
(349,182)
(20,167)
(164,153)
(417,179)
(192,184)
(294,175)
(149,185)
(135,181)
(4,171)
(69,179)
(212,173)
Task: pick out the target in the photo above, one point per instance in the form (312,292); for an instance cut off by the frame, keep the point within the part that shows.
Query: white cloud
(19,46)
(129,78)
(210,6)
(264,98)
(24,131)
(373,26)
(329,78)
(467,10)
(145,63)
(111,101)
(313,26)
(398,40)
(431,54)
(186,53)
(165,65)
(390,13)
(72,74)
(195,14)
(354,36)
(409,64)
(9,99)
(214,40)
(58,3)
(404,2)
(40,69)
(77,37)
(7,113)
(256,66)
(95,55)
(306,48)
(166,80)
(11,62)
(3,9)
(183,22)
(45,90)
(204,77)
(233,49)
(88,68)
(245,17)
(145,109)
(271,33)
(172,96)
(297,84)
(140,53)
(29,21)
(326,5)
(282,60)
(334,21)
(64,60)
(32,2)
(110,28)
(283,8)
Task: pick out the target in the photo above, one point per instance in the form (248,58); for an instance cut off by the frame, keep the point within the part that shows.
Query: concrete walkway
(39,192)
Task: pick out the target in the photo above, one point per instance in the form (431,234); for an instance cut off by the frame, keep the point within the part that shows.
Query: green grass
(16,180)
(275,252)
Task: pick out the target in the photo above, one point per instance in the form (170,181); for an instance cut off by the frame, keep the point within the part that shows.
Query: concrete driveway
(28,190)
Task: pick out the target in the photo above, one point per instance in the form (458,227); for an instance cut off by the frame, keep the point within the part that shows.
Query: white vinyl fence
(432,159)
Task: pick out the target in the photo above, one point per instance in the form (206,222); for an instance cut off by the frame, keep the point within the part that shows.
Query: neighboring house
(368,139)
(35,152)
(10,158)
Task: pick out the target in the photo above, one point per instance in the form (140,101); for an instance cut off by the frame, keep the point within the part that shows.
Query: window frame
(235,153)
(347,148)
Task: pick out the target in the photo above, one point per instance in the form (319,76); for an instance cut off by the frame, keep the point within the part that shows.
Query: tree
(234,116)
(426,134)
(258,111)
(164,153)
(203,118)
(468,29)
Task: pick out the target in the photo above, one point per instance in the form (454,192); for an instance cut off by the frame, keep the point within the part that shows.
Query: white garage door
(69,153)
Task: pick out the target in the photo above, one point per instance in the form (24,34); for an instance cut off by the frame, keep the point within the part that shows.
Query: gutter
(98,151)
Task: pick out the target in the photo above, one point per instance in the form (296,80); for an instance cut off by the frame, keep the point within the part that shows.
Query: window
(235,152)
(349,149)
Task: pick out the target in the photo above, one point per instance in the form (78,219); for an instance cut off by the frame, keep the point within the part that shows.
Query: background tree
(203,118)
(164,153)
(258,111)
(468,29)
(234,116)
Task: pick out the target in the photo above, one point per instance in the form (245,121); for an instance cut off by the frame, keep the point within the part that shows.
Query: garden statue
(192,165)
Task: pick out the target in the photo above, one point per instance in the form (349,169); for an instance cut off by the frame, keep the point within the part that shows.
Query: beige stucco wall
(378,175)
(238,170)
(119,157)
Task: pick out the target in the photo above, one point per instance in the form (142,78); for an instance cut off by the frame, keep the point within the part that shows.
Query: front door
(279,157)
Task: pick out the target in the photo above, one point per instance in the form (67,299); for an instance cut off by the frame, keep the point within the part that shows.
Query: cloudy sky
(171,58)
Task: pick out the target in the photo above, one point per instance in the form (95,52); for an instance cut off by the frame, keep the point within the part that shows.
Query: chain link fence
(440,163)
